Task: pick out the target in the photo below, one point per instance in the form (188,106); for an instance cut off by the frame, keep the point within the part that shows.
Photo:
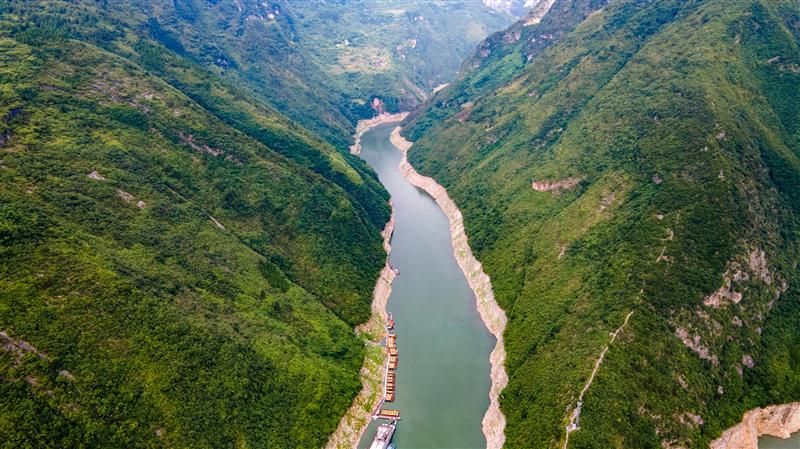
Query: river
(776,443)
(443,346)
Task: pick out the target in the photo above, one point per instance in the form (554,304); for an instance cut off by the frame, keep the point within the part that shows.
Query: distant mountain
(516,8)
(320,62)
(395,50)
(632,168)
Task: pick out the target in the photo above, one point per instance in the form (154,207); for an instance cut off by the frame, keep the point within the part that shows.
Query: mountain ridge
(182,265)
(587,170)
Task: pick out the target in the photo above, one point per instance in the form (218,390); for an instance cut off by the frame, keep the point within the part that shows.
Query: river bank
(358,416)
(365,125)
(493,316)
(775,420)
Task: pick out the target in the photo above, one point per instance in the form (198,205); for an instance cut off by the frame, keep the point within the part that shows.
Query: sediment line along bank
(358,416)
(775,420)
(494,422)
(365,125)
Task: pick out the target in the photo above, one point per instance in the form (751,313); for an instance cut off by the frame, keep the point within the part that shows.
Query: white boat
(383,437)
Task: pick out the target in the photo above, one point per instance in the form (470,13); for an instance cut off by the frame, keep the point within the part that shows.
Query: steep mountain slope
(396,50)
(632,162)
(250,43)
(516,8)
(319,62)
(180,264)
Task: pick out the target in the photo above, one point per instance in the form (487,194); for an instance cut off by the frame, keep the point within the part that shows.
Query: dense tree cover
(180,264)
(396,50)
(677,123)
(319,62)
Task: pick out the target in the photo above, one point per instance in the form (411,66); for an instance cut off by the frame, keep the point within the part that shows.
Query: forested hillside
(180,264)
(632,159)
(395,50)
(319,62)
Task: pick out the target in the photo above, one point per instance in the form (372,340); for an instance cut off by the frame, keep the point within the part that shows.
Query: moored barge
(383,437)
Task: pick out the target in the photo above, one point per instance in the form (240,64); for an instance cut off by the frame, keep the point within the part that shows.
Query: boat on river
(383,437)
(386,413)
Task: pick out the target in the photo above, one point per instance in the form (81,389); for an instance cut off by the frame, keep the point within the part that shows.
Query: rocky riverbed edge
(494,422)
(365,125)
(358,416)
(774,420)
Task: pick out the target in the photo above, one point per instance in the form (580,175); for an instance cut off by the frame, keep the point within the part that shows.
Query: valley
(502,223)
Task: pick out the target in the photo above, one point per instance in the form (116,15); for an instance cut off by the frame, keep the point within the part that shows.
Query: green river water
(777,443)
(443,346)
(443,371)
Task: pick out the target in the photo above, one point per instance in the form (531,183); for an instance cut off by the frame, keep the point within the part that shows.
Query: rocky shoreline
(358,416)
(775,420)
(493,316)
(365,125)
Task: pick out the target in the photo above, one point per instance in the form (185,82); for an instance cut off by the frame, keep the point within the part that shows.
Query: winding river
(443,371)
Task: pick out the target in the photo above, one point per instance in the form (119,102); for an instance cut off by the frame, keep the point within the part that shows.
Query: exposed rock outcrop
(96,176)
(128,198)
(18,347)
(775,420)
(217,223)
(693,343)
(493,316)
(556,186)
(753,268)
(540,9)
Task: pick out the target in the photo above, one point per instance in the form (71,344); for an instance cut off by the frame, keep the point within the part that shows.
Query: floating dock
(389,377)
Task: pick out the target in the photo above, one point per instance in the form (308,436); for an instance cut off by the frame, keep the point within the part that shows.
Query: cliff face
(517,8)
(776,420)
(632,156)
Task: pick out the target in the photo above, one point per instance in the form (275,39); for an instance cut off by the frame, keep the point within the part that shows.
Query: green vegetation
(396,50)
(680,121)
(289,55)
(180,264)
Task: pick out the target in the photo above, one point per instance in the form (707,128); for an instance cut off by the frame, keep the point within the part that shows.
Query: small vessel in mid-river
(383,437)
